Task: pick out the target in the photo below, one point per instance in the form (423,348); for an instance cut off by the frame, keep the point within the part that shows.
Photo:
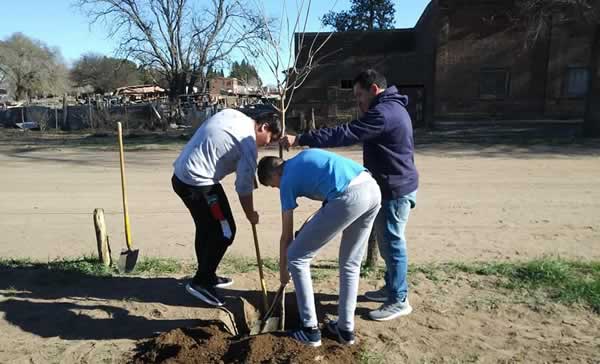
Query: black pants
(210,241)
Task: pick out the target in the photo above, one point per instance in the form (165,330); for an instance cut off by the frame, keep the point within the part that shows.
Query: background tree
(363,15)
(152,76)
(245,72)
(538,17)
(211,73)
(280,50)
(180,38)
(32,68)
(103,73)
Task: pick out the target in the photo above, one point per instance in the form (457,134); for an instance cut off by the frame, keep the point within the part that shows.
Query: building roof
(139,89)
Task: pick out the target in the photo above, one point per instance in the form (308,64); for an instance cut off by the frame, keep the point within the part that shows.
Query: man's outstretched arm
(369,126)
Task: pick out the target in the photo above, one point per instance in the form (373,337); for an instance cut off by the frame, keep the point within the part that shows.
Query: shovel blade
(262,327)
(127,260)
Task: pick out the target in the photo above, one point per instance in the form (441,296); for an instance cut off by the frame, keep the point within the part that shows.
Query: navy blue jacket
(387,136)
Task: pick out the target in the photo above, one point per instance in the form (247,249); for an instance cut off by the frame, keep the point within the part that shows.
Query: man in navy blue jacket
(385,129)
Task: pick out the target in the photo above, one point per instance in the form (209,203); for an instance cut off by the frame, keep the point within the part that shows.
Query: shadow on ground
(77,306)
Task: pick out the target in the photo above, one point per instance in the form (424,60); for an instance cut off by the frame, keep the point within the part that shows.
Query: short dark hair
(271,119)
(268,167)
(368,77)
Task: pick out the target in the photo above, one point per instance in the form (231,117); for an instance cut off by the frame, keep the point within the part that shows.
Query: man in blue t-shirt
(351,199)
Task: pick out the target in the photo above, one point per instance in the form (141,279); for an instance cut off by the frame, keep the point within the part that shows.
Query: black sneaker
(307,335)
(207,294)
(222,282)
(345,337)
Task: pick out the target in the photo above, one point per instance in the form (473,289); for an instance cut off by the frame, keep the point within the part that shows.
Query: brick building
(463,60)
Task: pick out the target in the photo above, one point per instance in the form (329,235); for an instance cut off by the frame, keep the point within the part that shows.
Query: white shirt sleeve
(246,167)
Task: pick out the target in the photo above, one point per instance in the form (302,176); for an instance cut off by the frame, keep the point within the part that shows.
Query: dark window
(494,83)
(346,84)
(577,81)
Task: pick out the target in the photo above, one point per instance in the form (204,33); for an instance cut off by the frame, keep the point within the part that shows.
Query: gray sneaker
(390,311)
(377,296)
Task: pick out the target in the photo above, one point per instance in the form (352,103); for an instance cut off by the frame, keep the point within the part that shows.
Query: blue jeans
(390,224)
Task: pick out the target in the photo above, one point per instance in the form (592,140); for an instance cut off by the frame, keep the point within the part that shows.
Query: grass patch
(372,273)
(90,266)
(370,357)
(553,279)
(321,274)
(430,271)
(159,266)
(560,280)
(271,264)
(85,265)
(232,265)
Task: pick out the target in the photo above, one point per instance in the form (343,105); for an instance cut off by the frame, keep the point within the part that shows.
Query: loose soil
(212,343)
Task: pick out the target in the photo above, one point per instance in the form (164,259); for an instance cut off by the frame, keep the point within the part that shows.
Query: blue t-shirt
(316,174)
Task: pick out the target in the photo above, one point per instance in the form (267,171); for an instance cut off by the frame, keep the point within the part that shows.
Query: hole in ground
(243,309)
(215,341)
(210,342)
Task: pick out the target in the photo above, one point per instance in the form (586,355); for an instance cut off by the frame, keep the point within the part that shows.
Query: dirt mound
(212,343)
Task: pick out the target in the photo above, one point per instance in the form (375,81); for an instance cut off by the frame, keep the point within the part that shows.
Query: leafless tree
(180,38)
(539,15)
(287,52)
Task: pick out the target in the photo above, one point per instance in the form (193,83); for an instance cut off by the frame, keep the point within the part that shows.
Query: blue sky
(60,24)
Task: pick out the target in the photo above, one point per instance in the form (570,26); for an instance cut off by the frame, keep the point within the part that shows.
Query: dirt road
(476,202)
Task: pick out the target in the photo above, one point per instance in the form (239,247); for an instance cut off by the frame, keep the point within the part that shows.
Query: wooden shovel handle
(259,262)
(123,189)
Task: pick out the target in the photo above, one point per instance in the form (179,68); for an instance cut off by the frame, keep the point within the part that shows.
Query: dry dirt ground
(52,317)
(485,195)
(477,200)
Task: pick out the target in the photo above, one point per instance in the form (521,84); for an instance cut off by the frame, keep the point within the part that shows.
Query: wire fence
(150,116)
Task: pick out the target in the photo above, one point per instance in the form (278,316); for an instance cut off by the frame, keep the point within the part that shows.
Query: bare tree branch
(177,36)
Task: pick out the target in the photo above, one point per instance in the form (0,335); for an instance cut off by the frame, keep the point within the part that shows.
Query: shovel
(261,274)
(128,257)
(270,323)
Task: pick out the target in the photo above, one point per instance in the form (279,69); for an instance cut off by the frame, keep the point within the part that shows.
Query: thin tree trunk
(372,252)
(282,105)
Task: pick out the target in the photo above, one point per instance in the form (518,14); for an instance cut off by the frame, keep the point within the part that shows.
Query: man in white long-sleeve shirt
(225,143)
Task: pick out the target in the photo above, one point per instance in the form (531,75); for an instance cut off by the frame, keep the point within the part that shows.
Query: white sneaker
(390,311)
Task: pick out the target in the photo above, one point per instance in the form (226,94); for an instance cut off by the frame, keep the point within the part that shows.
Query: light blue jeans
(389,227)
(353,214)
